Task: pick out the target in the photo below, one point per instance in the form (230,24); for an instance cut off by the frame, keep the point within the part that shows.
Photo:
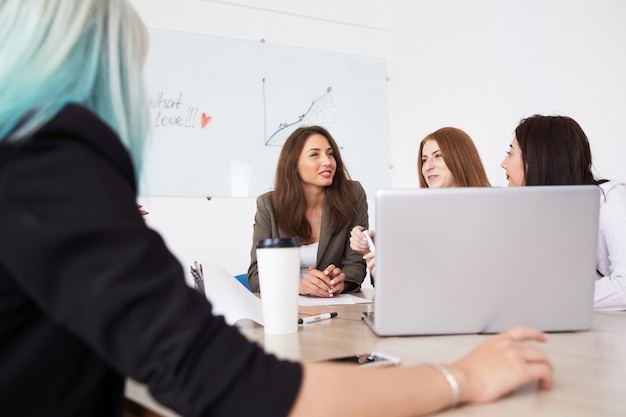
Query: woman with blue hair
(89,295)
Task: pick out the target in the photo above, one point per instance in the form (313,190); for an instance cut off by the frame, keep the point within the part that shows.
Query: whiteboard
(221,109)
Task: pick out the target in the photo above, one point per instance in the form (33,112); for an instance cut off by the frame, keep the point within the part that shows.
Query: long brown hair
(460,155)
(555,151)
(288,197)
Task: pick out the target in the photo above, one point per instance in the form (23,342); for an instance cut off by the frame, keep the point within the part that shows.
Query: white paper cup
(278,262)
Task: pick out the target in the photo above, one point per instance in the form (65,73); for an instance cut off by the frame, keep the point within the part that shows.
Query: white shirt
(308,257)
(610,291)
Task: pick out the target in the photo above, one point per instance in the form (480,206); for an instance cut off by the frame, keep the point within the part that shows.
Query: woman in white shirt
(554,150)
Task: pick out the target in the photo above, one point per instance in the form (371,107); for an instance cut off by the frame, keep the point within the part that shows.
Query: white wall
(207,231)
(484,65)
(479,65)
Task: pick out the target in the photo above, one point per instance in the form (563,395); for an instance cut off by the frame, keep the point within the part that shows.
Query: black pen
(318,317)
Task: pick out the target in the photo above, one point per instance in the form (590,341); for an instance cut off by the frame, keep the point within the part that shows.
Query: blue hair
(88,52)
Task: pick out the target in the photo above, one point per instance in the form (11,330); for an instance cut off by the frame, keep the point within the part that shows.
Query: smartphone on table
(368,359)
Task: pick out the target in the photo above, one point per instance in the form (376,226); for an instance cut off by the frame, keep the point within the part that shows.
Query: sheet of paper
(233,301)
(338,299)
(228,297)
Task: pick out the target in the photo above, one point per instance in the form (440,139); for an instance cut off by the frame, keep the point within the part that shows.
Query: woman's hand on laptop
(501,364)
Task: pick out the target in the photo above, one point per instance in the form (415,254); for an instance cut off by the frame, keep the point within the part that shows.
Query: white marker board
(221,109)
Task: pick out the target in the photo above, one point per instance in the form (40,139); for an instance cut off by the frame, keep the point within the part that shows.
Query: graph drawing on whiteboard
(320,112)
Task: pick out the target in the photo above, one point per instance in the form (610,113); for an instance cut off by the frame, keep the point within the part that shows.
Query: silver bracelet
(454,385)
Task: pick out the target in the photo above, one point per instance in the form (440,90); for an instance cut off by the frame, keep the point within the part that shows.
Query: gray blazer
(333,249)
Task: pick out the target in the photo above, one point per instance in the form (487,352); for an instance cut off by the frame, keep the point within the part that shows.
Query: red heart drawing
(205,120)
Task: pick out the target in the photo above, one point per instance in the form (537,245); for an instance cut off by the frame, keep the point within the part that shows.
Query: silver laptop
(481,260)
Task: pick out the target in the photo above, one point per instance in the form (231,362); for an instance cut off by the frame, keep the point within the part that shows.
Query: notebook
(481,260)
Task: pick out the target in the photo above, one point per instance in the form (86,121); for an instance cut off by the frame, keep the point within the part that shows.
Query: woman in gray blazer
(315,200)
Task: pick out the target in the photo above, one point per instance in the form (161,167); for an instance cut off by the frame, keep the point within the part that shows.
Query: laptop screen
(474,260)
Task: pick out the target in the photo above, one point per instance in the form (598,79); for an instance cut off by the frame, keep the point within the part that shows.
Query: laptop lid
(481,260)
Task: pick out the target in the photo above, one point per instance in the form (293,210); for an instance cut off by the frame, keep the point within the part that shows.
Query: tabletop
(589,366)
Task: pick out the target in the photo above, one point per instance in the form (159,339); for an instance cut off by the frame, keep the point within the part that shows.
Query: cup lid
(278,242)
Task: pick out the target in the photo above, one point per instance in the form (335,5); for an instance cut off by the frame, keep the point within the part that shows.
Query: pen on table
(317,317)
(370,242)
